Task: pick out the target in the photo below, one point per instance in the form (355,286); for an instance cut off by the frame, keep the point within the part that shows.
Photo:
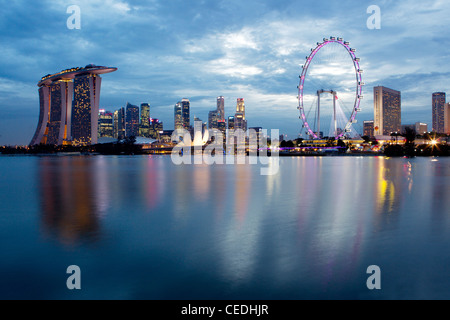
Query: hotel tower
(69,106)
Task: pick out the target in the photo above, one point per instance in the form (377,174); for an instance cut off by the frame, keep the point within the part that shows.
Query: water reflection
(72,197)
(309,230)
(440,198)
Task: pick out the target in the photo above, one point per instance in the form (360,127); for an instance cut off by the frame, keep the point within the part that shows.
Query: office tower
(222,126)
(387,111)
(156,128)
(105,124)
(132,121)
(239,117)
(69,104)
(178,116)
(421,128)
(198,124)
(185,106)
(220,108)
(438,103)
(144,127)
(212,119)
(119,124)
(240,106)
(198,132)
(447,118)
(231,123)
(368,128)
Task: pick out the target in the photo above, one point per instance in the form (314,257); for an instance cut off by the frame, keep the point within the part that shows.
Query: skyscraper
(387,111)
(231,123)
(144,127)
(438,103)
(222,126)
(105,124)
(119,124)
(421,128)
(132,121)
(239,117)
(220,108)
(156,128)
(447,118)
(186,110)
(178,116)
(69,106)
(212,119)
(368,128)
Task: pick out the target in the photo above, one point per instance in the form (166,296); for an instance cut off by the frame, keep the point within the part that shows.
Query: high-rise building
(239,117)
(438,103)
(368,129)
(220,108)
(421,128)
(387,111)
(69,106)
(186,106)
(119,124)
(105,124)
(178,116)
(212,119)
(222,126)
(198,132)
(156,128)
(144,126)
(447,118)
(132,121)
(231,123)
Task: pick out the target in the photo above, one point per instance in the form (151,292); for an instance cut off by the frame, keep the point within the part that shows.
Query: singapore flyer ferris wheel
(330,90)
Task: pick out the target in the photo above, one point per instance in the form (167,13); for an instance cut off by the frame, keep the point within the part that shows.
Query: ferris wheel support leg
(318,114)
(334,110)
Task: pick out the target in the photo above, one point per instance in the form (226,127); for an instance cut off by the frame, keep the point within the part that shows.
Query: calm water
(142,228)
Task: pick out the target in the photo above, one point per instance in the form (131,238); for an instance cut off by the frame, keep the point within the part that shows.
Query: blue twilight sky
(169,50)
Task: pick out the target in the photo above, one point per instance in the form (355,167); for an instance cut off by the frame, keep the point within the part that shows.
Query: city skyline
(251,50)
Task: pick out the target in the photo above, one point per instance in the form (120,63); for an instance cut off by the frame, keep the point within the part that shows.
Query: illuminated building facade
(212,119)
(421,128)
(105,124)
(231,123)
(447,118)
(368,128)
(69,106)
(222,126)
(387,111)
(119,124)
(239,117)
(178,116)
(438,105)
(186,111)
(144,127)
(156,128)
(132,121)
(220,108)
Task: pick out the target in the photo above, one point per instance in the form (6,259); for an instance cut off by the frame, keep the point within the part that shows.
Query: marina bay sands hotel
(69,106)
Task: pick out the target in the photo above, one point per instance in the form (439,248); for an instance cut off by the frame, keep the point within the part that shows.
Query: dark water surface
(143,228)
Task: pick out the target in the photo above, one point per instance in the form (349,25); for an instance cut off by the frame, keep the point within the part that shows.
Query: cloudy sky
(169,50)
